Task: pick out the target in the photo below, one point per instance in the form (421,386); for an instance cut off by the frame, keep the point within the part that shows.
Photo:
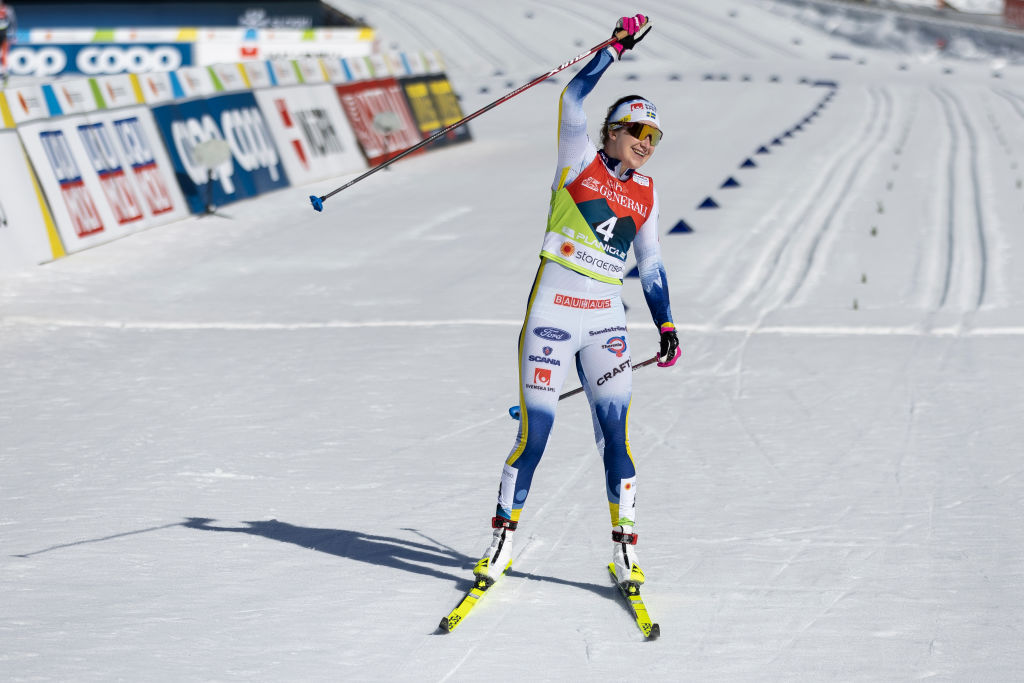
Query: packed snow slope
(265,445)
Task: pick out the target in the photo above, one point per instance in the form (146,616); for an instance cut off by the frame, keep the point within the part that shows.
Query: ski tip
(655,632)
(317,202)
(445,626)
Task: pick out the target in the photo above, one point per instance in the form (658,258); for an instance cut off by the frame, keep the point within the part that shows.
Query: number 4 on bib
(607,229)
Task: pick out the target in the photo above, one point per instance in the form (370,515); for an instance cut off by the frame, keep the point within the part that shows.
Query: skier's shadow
(382,551)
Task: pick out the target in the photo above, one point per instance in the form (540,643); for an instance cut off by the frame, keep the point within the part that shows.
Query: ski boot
(627,571)
(499,556)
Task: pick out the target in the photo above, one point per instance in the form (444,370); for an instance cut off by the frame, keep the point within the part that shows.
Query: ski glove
(636,26)
(670,351)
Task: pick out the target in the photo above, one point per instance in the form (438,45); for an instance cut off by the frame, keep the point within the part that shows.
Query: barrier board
(51,58)
(312,134)
(255,166)
(27,234)
(105,175)
(435,106)
(380,117)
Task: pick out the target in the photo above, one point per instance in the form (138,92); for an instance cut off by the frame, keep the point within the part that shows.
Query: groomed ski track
(266,447)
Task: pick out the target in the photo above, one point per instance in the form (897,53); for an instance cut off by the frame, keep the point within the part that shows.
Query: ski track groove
(734,28)
(975,244)
(399,16)
(954,143)
(842,199)
(757,284)
(587,9)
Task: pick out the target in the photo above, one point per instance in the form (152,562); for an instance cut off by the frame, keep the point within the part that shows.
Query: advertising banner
(96,59)
(105,175)
(113,92)
(27,235)
(27,103)
(255,165)
(311,132)
(1013,13)
(160,87)
(435,106)
(70,96)
(380,117)
(257,73)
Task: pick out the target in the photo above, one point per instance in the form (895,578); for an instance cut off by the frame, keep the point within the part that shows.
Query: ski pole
(514,411)
(318,202)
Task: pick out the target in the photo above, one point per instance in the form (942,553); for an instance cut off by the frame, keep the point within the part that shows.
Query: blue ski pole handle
(515,412)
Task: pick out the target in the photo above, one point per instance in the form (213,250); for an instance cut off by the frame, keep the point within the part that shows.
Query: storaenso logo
(246,134)
(552,333)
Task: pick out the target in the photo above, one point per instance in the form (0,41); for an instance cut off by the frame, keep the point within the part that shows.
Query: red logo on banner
(380,118)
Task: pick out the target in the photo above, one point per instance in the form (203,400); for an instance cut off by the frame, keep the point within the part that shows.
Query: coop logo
(137,59)
(616,345)
(552,333)
(97,60)
(246,134)
(30,61)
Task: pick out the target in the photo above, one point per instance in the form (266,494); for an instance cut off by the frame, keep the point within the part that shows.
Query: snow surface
(266,445)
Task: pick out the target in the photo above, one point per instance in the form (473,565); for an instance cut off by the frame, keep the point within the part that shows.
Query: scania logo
(552,333)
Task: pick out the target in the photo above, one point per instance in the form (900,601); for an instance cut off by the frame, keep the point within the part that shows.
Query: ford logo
(552,333)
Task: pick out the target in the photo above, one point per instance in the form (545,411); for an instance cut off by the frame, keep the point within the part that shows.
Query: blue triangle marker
(761,150)
(708,203)
(681,226)
(776,141)
(749,163)
(634,273)
(730,182)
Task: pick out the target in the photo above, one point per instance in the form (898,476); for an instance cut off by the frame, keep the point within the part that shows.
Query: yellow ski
(470,601)
(631,592)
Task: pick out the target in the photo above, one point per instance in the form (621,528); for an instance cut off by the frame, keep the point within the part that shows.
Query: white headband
(636,110)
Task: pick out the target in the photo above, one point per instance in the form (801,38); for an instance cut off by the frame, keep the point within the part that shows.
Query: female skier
(600,206)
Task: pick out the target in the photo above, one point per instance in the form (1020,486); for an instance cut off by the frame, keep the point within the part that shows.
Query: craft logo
(139,153)
(615,371)
(114,183)
(542,376)
(586,304)
(616,345)
(81,209)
